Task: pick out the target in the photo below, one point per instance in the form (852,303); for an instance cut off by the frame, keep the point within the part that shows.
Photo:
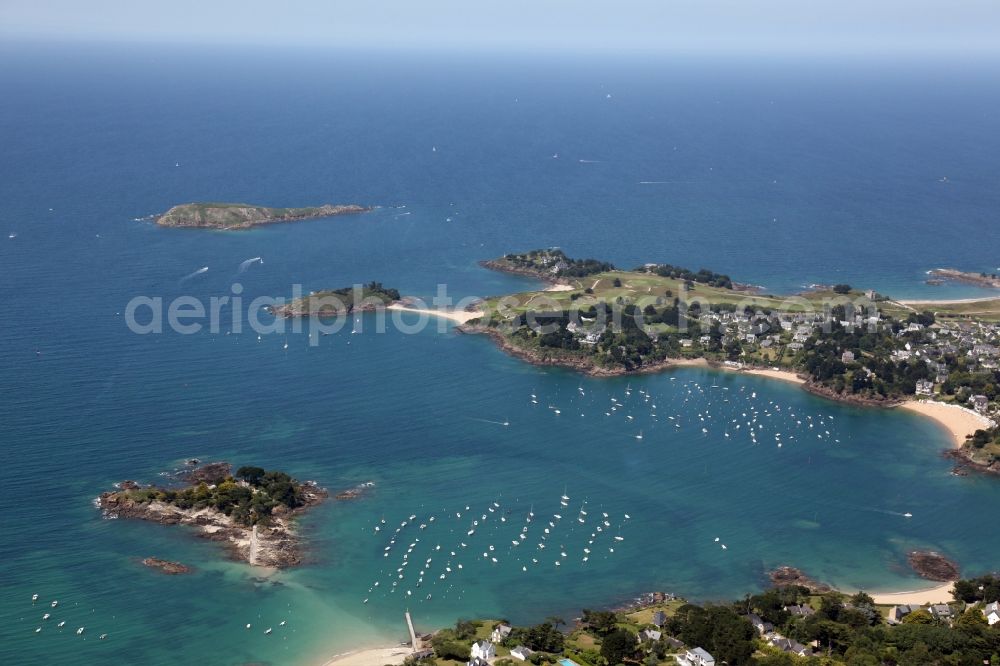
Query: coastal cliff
(231,216)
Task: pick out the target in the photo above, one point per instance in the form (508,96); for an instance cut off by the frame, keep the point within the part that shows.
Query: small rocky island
(166,566)
(229,216)
(786,575)
(250,511)
(335,302)
(933,566)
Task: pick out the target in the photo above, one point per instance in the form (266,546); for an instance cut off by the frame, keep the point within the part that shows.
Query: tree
(918,655)
(555,621)
(452,650)
(465,629)
(862,599)
(543,637)
(618,645)
(921,616)
(600,622)
(251,475)
(842,288)
(971,619)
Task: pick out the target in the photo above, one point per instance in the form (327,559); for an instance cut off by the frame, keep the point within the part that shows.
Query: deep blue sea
(779,173)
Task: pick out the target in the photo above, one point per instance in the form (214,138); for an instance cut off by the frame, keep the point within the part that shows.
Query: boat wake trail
(246,264)
(501,423)
(201,270)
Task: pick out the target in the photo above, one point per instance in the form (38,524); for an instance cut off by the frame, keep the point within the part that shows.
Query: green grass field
(643,289)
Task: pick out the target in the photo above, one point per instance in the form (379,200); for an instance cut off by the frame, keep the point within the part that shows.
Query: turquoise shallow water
(85,403)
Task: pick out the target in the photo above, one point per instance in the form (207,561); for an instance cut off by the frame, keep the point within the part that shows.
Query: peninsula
(251,512)
(838,342)
(232,216)
(988,280)
(336,302)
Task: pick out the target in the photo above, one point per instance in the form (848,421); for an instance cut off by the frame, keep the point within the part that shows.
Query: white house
(484,650)
(696,657)
(649,635)
(521,653)
(500,632)
(992,612)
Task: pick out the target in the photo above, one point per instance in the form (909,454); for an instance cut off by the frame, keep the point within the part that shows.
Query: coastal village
(855,346)
(786,625)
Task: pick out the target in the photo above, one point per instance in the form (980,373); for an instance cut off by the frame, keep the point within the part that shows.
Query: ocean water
(779,174)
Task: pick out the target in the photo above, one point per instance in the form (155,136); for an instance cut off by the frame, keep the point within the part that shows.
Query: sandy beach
(783,375)
(956,301)
(457,316)
(371,657)
(940,594)
(959,421)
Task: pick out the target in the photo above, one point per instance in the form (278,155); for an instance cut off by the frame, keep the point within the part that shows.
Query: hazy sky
(837,26)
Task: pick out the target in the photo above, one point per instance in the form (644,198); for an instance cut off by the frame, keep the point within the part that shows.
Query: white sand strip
(371,657)
(457,316)
(940,594)
(959,421)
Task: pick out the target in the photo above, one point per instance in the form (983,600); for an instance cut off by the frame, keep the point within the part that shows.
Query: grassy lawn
(644,617)
(645,288)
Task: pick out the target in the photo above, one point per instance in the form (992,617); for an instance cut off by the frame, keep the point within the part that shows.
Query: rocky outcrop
(964,463)
(849,398)
(244,216)
(356,492)
(786,575)
(933,566)
(167,567)
(211,473)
